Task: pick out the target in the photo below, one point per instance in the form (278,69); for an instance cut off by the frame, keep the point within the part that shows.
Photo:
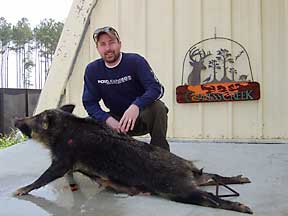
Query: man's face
(109,48)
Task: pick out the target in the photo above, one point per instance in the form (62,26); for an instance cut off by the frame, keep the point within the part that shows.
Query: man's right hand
(113,123)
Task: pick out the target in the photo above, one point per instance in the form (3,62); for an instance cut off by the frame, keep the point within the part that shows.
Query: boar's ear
(68,108)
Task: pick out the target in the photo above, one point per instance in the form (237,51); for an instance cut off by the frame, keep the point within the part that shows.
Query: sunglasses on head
(106,29)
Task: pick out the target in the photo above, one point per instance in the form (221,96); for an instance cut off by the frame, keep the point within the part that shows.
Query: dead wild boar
(118,161)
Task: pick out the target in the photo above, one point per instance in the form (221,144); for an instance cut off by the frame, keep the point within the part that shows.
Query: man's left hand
(127,122)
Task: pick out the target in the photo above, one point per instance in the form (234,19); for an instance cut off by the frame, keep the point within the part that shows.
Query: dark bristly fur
(118,161)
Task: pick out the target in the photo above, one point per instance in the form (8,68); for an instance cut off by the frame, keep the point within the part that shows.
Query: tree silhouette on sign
(224,56)
(215,66)
(233,71)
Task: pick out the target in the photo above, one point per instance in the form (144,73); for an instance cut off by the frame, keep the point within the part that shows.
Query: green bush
(14,137)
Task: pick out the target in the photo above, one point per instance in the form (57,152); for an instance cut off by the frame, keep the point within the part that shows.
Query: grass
(11,139)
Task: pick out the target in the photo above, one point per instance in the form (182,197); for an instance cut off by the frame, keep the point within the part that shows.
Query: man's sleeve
(153,89)
(91,98)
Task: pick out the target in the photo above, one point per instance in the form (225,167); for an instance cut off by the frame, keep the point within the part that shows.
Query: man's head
(108,44)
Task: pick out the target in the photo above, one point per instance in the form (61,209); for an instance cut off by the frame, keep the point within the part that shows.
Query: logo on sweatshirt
(115,81)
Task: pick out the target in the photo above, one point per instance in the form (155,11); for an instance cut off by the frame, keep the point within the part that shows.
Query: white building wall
(163,31)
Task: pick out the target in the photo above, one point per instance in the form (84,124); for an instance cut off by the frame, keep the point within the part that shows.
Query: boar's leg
(56,170)
(204,198)
(207,179)
(71,181)
(119,188)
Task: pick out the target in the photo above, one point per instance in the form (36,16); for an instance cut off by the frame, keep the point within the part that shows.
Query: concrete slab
(266,165)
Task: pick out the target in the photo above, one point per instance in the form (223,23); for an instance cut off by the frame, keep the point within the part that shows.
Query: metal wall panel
(274,61)
(187,30)
(247,121)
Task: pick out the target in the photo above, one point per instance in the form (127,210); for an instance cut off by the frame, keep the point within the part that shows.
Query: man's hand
(113,123)
(127,122)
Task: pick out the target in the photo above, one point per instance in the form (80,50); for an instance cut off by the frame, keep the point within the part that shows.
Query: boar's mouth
(24,128)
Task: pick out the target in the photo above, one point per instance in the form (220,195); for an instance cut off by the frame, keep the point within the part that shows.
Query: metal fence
(16,103)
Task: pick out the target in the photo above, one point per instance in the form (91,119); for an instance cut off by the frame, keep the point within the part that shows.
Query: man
(128,87)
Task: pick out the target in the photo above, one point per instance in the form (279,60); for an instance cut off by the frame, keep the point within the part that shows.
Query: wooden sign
(218,92)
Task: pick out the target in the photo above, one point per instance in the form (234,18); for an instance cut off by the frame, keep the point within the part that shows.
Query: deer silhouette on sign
(194,78)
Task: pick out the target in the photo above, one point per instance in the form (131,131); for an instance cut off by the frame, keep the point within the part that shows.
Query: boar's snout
(18,122)
(22,126)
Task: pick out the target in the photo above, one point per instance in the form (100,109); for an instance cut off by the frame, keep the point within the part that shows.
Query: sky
(34,10)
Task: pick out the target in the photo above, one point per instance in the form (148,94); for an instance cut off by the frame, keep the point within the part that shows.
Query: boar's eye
(45,125)
(47,120)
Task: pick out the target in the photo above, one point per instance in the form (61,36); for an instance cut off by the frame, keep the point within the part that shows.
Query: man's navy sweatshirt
(132,81)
